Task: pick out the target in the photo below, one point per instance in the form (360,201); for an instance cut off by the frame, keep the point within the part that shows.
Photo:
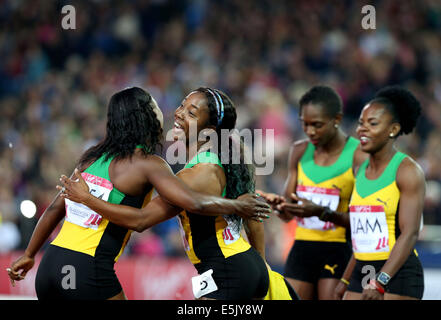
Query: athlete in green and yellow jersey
(120,173)
(386,205)
(320,169)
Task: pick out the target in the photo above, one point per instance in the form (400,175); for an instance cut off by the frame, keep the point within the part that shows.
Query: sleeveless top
(85,230)
(208,237)
(374,210)
(329,186)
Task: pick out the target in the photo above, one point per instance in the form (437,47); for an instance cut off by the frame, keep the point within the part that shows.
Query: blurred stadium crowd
(55,84)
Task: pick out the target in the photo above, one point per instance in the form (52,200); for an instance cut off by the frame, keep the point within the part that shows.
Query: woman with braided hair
(229,267)
(121,172)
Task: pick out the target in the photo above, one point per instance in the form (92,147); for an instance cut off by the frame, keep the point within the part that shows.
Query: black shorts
(408,281)
(310,261)
(71,275)
(238,277)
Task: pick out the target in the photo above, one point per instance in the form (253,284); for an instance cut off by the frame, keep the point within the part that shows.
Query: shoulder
(359,157)
(300,144)
(84,166)
(202,169)
(410,175)
(150,164)
(297,150)
(204,177)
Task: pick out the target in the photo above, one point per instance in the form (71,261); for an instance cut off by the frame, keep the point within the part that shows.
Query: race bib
(324,197)
(369,229)
(203,284)
(82,215)
(231,233)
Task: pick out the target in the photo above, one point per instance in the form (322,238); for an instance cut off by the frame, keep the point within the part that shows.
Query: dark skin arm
(306,208)
(256,235)
(176,192)
(295,153)
(341,287)
(45,226)
(271,198)
(411,183)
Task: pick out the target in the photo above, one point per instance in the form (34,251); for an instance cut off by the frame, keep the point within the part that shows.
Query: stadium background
(55,85)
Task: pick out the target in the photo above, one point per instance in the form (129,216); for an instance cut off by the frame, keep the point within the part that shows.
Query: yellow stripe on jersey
(187,237)
(77,238)
(277,289)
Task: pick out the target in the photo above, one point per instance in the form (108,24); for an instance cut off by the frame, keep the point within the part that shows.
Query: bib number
(231,233)
(369,230)
(324,197)
(81,215)
(203,284)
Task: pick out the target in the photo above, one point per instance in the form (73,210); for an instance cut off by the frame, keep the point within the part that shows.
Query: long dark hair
(131,121)
(240,176)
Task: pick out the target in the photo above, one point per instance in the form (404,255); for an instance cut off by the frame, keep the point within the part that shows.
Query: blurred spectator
(55,84)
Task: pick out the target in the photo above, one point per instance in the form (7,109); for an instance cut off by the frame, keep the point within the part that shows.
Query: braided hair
(131,121)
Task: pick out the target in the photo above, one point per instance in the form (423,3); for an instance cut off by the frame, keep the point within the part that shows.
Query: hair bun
(403,104)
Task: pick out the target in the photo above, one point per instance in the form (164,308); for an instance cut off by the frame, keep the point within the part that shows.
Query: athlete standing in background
(386,205)
(320,169)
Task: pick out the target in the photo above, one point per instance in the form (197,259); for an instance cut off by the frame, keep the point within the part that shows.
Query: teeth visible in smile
(364,139)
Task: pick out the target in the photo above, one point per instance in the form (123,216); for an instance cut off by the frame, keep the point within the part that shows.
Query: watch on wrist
(326,214)
(383,278)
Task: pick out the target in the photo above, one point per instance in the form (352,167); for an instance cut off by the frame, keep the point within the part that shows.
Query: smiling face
(317,125)
(376,127)
(193,111)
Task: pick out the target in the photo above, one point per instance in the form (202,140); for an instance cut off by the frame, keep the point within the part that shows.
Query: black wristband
(326,214)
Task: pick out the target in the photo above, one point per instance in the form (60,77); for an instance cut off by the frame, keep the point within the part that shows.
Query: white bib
(231,233)
(369,231)
(203,284)
(324,197)
(82,215)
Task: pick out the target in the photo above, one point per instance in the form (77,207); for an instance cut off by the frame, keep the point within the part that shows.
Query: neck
(335,143)
(382,157)
(194,148)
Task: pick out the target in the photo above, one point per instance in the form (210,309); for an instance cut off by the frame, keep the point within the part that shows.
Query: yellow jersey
(329,186)
(206,237)
(374,212)
(85,230)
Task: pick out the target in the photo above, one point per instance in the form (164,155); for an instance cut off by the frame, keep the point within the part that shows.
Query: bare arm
(51,217)
(304,208)
(45,225)
(256,235)
(295,153)
(359,157)
(411,182)
(180,196)
(341,287)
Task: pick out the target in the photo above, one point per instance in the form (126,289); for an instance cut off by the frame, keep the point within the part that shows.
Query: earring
(391,135)
(335,126)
